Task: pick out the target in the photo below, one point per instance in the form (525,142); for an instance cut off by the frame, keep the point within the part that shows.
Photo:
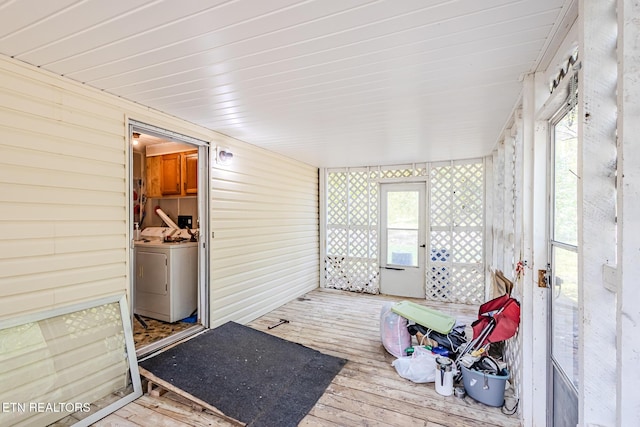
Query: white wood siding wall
(64,208)
(599,122)
(265,218)
(505,225)
(628,291)
(63,196)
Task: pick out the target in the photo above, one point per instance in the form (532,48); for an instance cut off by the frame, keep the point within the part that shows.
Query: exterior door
(183,174)
(563,268)
(402,235)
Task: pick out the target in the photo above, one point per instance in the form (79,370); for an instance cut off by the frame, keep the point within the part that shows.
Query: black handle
(394,268)
(423,245)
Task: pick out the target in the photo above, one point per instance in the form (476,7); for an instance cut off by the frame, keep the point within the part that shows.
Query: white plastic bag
(393,331)
(420,367)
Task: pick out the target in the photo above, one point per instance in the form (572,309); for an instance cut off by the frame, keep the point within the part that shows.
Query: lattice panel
(440,198)
(373,205)
(440,246)
(358,275)
(456,236)
(358,198)
(467,246)
(438,285)
(455,271)
(337,198)
(454,283)
(359,243)
(359,272)
(513,357)
(336,241)
(335,272)
(468,192)
(513,346)
(373,244)
(352,248)
(421,170)
(396,173)
(468,284)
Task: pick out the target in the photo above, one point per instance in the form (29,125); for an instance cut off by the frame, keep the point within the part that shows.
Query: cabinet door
(191,173)
(153,173)
(171,174)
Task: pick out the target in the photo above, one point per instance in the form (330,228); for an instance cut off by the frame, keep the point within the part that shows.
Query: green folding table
(425,316)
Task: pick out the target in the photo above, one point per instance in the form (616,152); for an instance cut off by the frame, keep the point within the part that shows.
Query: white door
(402,239)
(564,284)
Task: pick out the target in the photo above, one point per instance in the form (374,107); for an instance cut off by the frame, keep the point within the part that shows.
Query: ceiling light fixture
(136,138)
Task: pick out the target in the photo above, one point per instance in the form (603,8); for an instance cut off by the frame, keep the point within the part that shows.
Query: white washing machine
(166,279)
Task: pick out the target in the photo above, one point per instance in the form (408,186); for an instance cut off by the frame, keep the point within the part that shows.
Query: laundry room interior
(166,229)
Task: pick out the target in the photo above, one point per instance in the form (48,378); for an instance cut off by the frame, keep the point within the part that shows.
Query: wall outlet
(185,221)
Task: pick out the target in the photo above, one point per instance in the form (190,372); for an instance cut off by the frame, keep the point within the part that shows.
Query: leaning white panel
(70,366)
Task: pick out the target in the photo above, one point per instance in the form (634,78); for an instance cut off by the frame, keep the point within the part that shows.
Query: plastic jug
(444,376)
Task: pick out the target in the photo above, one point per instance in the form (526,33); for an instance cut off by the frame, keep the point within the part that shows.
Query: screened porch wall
(504,224)
(455,268)
(351,254)
(455,265)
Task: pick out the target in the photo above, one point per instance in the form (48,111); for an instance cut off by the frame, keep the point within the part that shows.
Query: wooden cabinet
(190,182)
(153,176)
(173,174)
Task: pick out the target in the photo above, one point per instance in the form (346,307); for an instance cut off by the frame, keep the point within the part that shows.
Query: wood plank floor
(367,392)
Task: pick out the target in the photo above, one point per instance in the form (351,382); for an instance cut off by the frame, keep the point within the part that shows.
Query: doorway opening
(563,269)
(169,260)
(402,223)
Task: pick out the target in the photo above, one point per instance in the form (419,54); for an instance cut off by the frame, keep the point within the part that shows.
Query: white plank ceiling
(328,82)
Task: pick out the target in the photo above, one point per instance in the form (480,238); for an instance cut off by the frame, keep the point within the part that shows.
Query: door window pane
(566,180)
(565,312)
(403,222)
(403,210)
(402,247)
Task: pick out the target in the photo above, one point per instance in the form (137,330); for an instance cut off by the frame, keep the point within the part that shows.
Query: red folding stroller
(498,320)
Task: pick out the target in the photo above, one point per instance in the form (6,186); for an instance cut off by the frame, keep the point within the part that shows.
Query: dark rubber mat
(249,375)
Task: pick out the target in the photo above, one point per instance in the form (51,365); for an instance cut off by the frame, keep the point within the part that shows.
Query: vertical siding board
(489,223)
(596,208)
(530,358)
(518,196)
(628,309)
(508,221)
(498,212)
